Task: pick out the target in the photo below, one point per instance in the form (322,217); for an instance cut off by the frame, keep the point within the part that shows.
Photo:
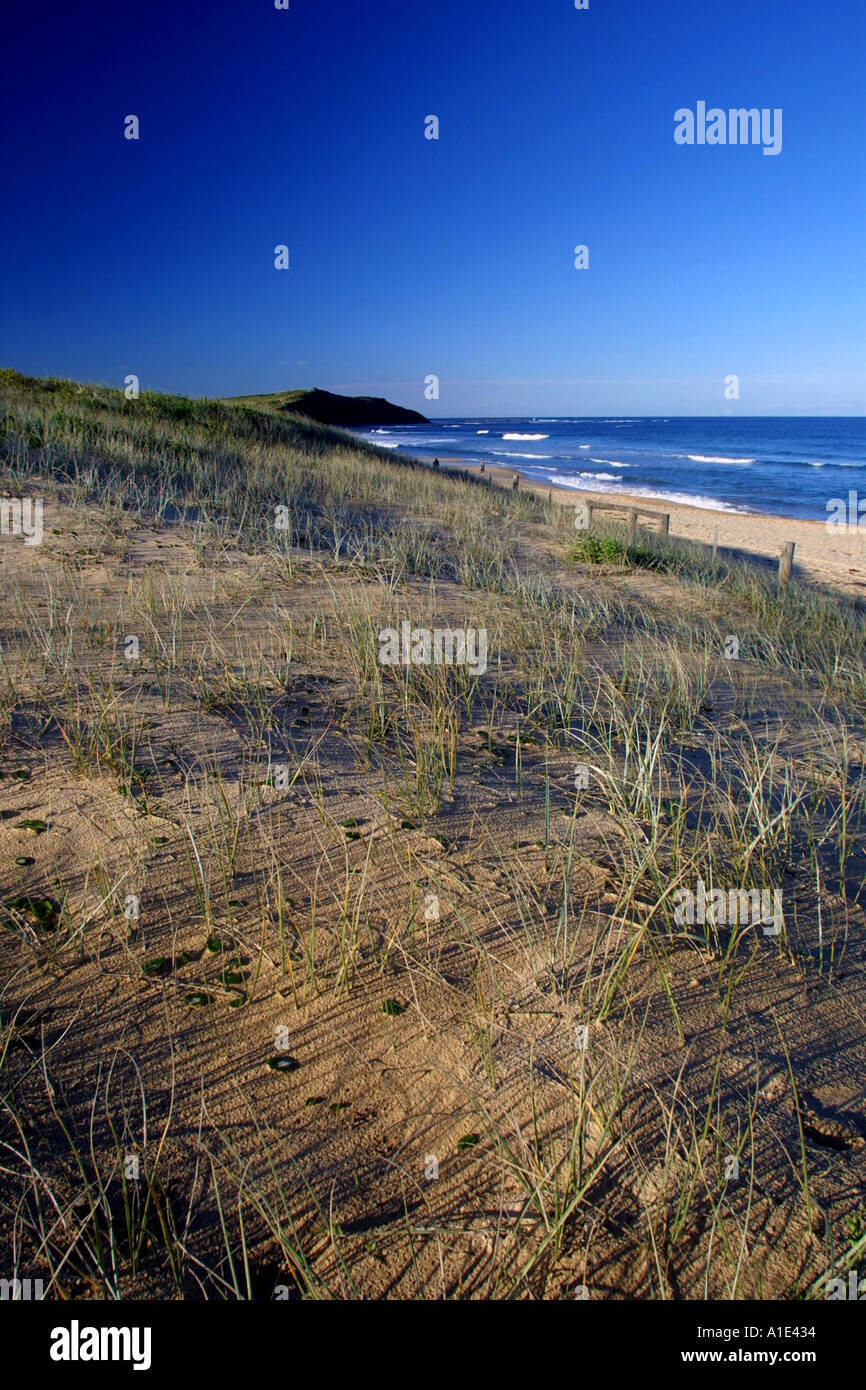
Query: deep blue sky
(453,257)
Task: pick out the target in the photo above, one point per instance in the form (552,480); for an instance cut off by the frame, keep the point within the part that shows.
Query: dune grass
(447,899)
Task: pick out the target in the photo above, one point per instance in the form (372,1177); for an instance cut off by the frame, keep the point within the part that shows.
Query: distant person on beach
(435,463)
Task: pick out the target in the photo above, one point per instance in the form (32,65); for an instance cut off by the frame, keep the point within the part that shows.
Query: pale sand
(829,556)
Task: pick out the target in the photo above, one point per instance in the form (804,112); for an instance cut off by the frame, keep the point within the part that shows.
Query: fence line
(631,513)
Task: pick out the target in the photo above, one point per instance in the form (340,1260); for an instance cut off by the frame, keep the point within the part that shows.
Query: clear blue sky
(455,257)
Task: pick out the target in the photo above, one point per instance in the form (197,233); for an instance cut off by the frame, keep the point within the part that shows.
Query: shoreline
(834,556)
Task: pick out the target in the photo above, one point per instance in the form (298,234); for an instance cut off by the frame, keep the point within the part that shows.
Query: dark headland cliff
(329,408)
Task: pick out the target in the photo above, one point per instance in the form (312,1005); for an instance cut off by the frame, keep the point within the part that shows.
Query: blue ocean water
(784,466)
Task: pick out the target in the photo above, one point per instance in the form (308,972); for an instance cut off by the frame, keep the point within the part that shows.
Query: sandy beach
(834,556)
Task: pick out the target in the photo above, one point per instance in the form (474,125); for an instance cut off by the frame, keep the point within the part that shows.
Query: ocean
(784,466)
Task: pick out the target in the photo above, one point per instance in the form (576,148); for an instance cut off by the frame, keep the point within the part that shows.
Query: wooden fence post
(631,516)
(786,561)
(665,524)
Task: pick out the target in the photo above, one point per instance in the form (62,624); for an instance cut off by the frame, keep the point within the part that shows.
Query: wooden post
(631,517)
(588,506)
(550,496)
(665,524)
(516,483)
(715,541)
(786,561)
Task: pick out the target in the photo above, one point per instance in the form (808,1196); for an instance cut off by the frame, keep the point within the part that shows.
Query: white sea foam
(715,458)
(577,481)
(689,499)
(526,436)
(482,431)
(616,463)
(513,454)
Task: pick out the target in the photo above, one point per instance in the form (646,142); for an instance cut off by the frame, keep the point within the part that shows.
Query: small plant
(855,1224)
(282,1062)
(598,550)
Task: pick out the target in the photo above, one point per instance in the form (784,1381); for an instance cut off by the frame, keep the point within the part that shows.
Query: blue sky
(411,257)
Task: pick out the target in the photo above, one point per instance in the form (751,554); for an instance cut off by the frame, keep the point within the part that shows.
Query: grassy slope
(305,905)
(271,400)
(237,464)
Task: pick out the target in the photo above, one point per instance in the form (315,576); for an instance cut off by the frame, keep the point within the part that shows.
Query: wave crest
(715,458)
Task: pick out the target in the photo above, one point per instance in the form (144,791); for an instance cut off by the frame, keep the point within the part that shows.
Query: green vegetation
(599,550)
(228,467)
(254,849)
